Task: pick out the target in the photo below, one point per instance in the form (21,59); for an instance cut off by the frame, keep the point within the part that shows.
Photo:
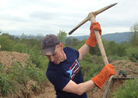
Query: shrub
(116,57)
(93,59)
(21,47)
(6,43)
(132,53)
(37,59)
(94,70)
(128,90)
(35,73)
(18,73)
(6,84)
(24,74)
(90,66)
(2,67)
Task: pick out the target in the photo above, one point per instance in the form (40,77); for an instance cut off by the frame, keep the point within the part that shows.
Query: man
(64,70)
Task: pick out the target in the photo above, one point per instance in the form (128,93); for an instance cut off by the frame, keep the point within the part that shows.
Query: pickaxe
(91,17)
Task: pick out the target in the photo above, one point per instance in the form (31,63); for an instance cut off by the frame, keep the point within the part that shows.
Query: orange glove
(92,41)
(101,78)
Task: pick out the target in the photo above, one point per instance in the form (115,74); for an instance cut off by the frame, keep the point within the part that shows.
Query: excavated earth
(47,91)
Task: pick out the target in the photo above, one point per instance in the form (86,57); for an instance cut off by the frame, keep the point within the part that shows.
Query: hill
(117,37)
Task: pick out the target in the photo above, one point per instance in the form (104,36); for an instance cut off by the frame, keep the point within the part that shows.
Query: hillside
(47,91)
(117,37)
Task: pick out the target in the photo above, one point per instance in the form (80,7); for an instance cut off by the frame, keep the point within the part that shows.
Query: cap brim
(48,51)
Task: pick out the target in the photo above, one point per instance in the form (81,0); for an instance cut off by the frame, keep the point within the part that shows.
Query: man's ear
(61,45)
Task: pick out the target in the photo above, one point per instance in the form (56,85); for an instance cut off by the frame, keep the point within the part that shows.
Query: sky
(34,17)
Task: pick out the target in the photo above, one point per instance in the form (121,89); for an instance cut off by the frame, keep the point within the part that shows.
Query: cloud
(50,16)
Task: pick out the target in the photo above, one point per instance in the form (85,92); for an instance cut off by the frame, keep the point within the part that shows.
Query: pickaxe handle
(100,43)
(103,55)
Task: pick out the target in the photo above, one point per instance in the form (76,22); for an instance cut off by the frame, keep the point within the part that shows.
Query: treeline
(25,44)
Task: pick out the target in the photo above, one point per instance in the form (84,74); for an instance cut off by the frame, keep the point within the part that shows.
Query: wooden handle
(100,43)
(81,23)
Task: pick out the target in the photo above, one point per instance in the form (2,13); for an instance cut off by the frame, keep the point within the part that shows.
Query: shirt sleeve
(77,52)
(74,52)
(57,79)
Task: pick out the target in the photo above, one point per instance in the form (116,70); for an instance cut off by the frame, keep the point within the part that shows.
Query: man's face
(57,57)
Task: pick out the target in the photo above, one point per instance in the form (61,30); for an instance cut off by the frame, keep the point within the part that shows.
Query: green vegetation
(128,90)
(7,85)
(133,54)
(17,76)
(90,66)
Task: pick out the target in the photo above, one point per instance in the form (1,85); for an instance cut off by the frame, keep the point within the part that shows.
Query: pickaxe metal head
(90,15)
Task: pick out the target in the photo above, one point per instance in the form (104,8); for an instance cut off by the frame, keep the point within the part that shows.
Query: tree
(68,42)
(12,37)
(6,43)
(74,42)
(121,50)
(62,36)
(95,50)
(133,35)
(21,47)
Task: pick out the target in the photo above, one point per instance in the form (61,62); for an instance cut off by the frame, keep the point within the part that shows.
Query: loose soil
(8,58)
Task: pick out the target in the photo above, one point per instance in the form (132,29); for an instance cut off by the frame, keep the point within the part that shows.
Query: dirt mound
(8,58)
(128,67)
(49,92)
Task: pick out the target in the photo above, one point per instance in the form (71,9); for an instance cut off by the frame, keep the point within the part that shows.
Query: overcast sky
(51,16)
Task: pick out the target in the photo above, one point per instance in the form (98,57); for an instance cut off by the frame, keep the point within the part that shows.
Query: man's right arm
(98,80)
(80,88)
